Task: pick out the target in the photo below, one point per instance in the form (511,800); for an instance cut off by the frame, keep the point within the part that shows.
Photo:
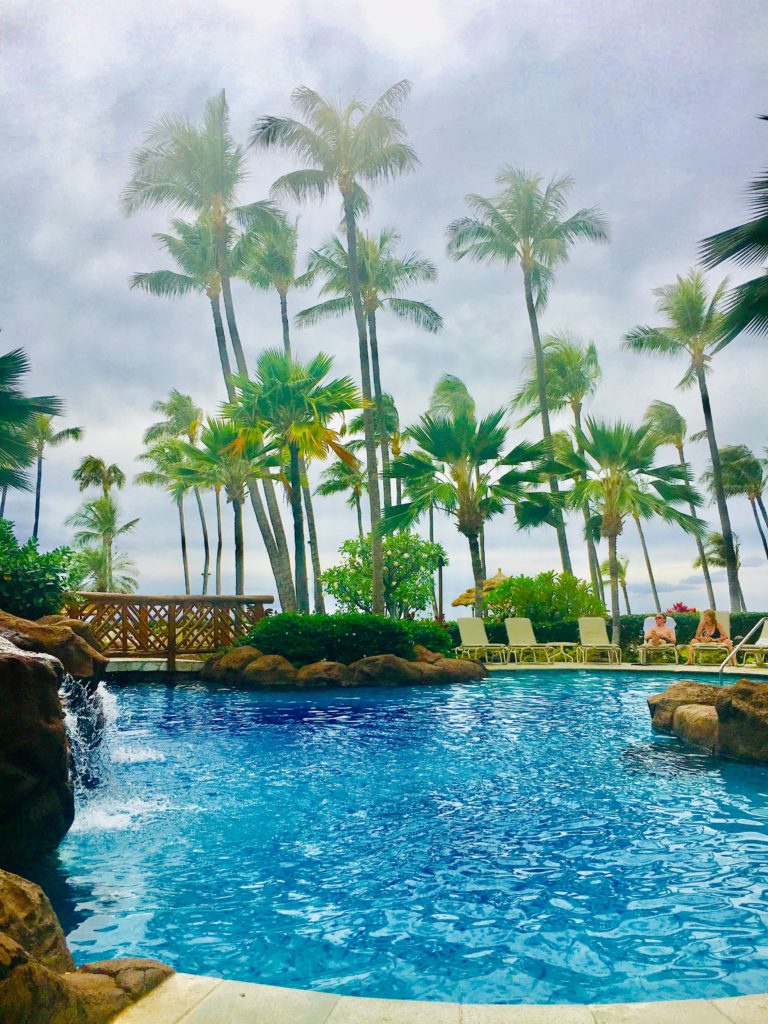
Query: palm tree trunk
(234,334)
(219,540)
(317,569)
(283,554)
(592,559)
(613,565)
(380,424)
(562,539)
(731,564)
(699,544)
(753,503)
(299,546)
(481,541)
(759,502)
(286,326)
(359,510)
(477,573)
(237,508)
(221,344)
(183,533)
(647,558)
(377,555)
(3,498)
(206,545)
(38,489)
(283,579)
(626,596)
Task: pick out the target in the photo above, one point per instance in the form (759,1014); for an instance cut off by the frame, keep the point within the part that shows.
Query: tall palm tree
(346,148)
(639,510)
(94,472)
(97,570)
(695,330)
(183,419)
(98,523)
(42,435)
(572,374)
(165,457)
(743,474)
(670,428)
(292,404)
(459,467)
(618,476)
(622,565)
(526,224)
(343,478)
(383,276)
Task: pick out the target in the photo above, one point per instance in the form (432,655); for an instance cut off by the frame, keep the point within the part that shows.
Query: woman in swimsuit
(710,631)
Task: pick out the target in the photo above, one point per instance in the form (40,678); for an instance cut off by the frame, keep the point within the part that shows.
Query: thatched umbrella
(467,599)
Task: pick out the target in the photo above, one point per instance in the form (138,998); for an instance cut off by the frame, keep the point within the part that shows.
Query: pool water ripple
(528,839)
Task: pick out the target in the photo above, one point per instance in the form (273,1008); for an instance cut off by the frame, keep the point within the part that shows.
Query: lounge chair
(646,650)
(758,649)
(521,640)
(593,639)
(475,644)
(721,650)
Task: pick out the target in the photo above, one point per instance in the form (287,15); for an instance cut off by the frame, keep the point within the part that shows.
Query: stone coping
(192,999)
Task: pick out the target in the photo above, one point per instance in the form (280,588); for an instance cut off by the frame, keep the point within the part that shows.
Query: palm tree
(94,472)
(618,476)
(183,419)
(345,148)
(743,473)
(165,457)
(42,435)
(382,275)
(292,404)
(343,478)
(639,510)
(526,224)
(98,522)
(670,428)
(460,468)
(571,374)
(96,571)
(695,329)
(622,565)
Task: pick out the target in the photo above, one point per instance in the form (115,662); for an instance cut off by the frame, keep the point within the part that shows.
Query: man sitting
(660,633)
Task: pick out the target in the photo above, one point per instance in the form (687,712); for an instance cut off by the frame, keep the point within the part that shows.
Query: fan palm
(345,148)
(526,224)
(343,478)
(292,404)
(616,474)
(165,457)
(622,565)
(695,330)
(670,428)
(743,474)
(42,435)
(98,523)
(571,373)
(94,472)
(383,275)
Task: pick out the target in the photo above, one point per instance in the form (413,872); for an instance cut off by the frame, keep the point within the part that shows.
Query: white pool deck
(191,999)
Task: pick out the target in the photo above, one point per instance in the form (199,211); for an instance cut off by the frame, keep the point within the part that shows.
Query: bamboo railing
(131,625)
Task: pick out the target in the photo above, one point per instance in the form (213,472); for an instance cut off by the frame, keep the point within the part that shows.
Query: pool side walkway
(191,999)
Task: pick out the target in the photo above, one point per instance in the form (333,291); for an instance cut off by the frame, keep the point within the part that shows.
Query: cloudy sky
(649,105)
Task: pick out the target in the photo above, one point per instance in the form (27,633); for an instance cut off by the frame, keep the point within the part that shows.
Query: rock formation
(76,654)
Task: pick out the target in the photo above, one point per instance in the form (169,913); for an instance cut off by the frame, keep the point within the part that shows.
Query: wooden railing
(129,625)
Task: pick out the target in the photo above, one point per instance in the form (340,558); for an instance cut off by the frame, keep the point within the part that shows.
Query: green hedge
(32,583)
(304,639)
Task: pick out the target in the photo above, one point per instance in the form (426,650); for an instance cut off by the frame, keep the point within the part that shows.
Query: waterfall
(87,713)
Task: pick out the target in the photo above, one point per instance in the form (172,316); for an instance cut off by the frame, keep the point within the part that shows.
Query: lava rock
(27,917)
(82,629)
(663,705)
(742,711)
(698,725)
(324,674)
(424,654)
(228,666)
(385,670)
(78,658)
(268,670)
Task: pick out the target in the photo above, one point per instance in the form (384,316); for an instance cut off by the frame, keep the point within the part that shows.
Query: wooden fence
(129,625)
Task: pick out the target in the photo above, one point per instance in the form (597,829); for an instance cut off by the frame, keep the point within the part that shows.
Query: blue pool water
(526,839)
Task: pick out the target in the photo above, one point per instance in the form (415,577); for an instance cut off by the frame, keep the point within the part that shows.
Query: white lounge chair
(697,650)
(521,640)
(758,649)
(593,639)
(475,644)
(646,650)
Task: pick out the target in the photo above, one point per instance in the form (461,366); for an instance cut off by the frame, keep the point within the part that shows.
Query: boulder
(227,667)
(423,654)
(27,917)
(78,658)
(82,629)
(697,724)
(451,670)
(267,670)
(36,797)
(663,705)
(324,673)
(385,670)
(742,710)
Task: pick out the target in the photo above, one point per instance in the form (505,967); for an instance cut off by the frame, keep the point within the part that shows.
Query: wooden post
(171,666)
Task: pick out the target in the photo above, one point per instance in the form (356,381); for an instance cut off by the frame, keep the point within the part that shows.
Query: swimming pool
(527,839)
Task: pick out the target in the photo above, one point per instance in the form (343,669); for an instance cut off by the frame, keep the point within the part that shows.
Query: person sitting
(710,631)
(660,633)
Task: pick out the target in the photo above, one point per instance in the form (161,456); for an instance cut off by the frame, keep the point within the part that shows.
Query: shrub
(679,607)
(304,639)
(547,598)
(430,634)
(32,583)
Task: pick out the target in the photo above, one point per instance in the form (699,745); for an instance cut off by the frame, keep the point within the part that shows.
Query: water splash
(88,716)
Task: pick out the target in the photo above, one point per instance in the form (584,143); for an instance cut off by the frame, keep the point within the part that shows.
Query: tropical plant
(743,474)
(97,525)
(383,276)
(345,478)
(695,330)
(95,569)
(32,583)
(617,476)
(94,472)
(42,435)
(165,457)
(526,224)
(571,376)
(622,565)
(544,599)
(409,567)
(292,404)
(460,468)
(345,148)
(670,428)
